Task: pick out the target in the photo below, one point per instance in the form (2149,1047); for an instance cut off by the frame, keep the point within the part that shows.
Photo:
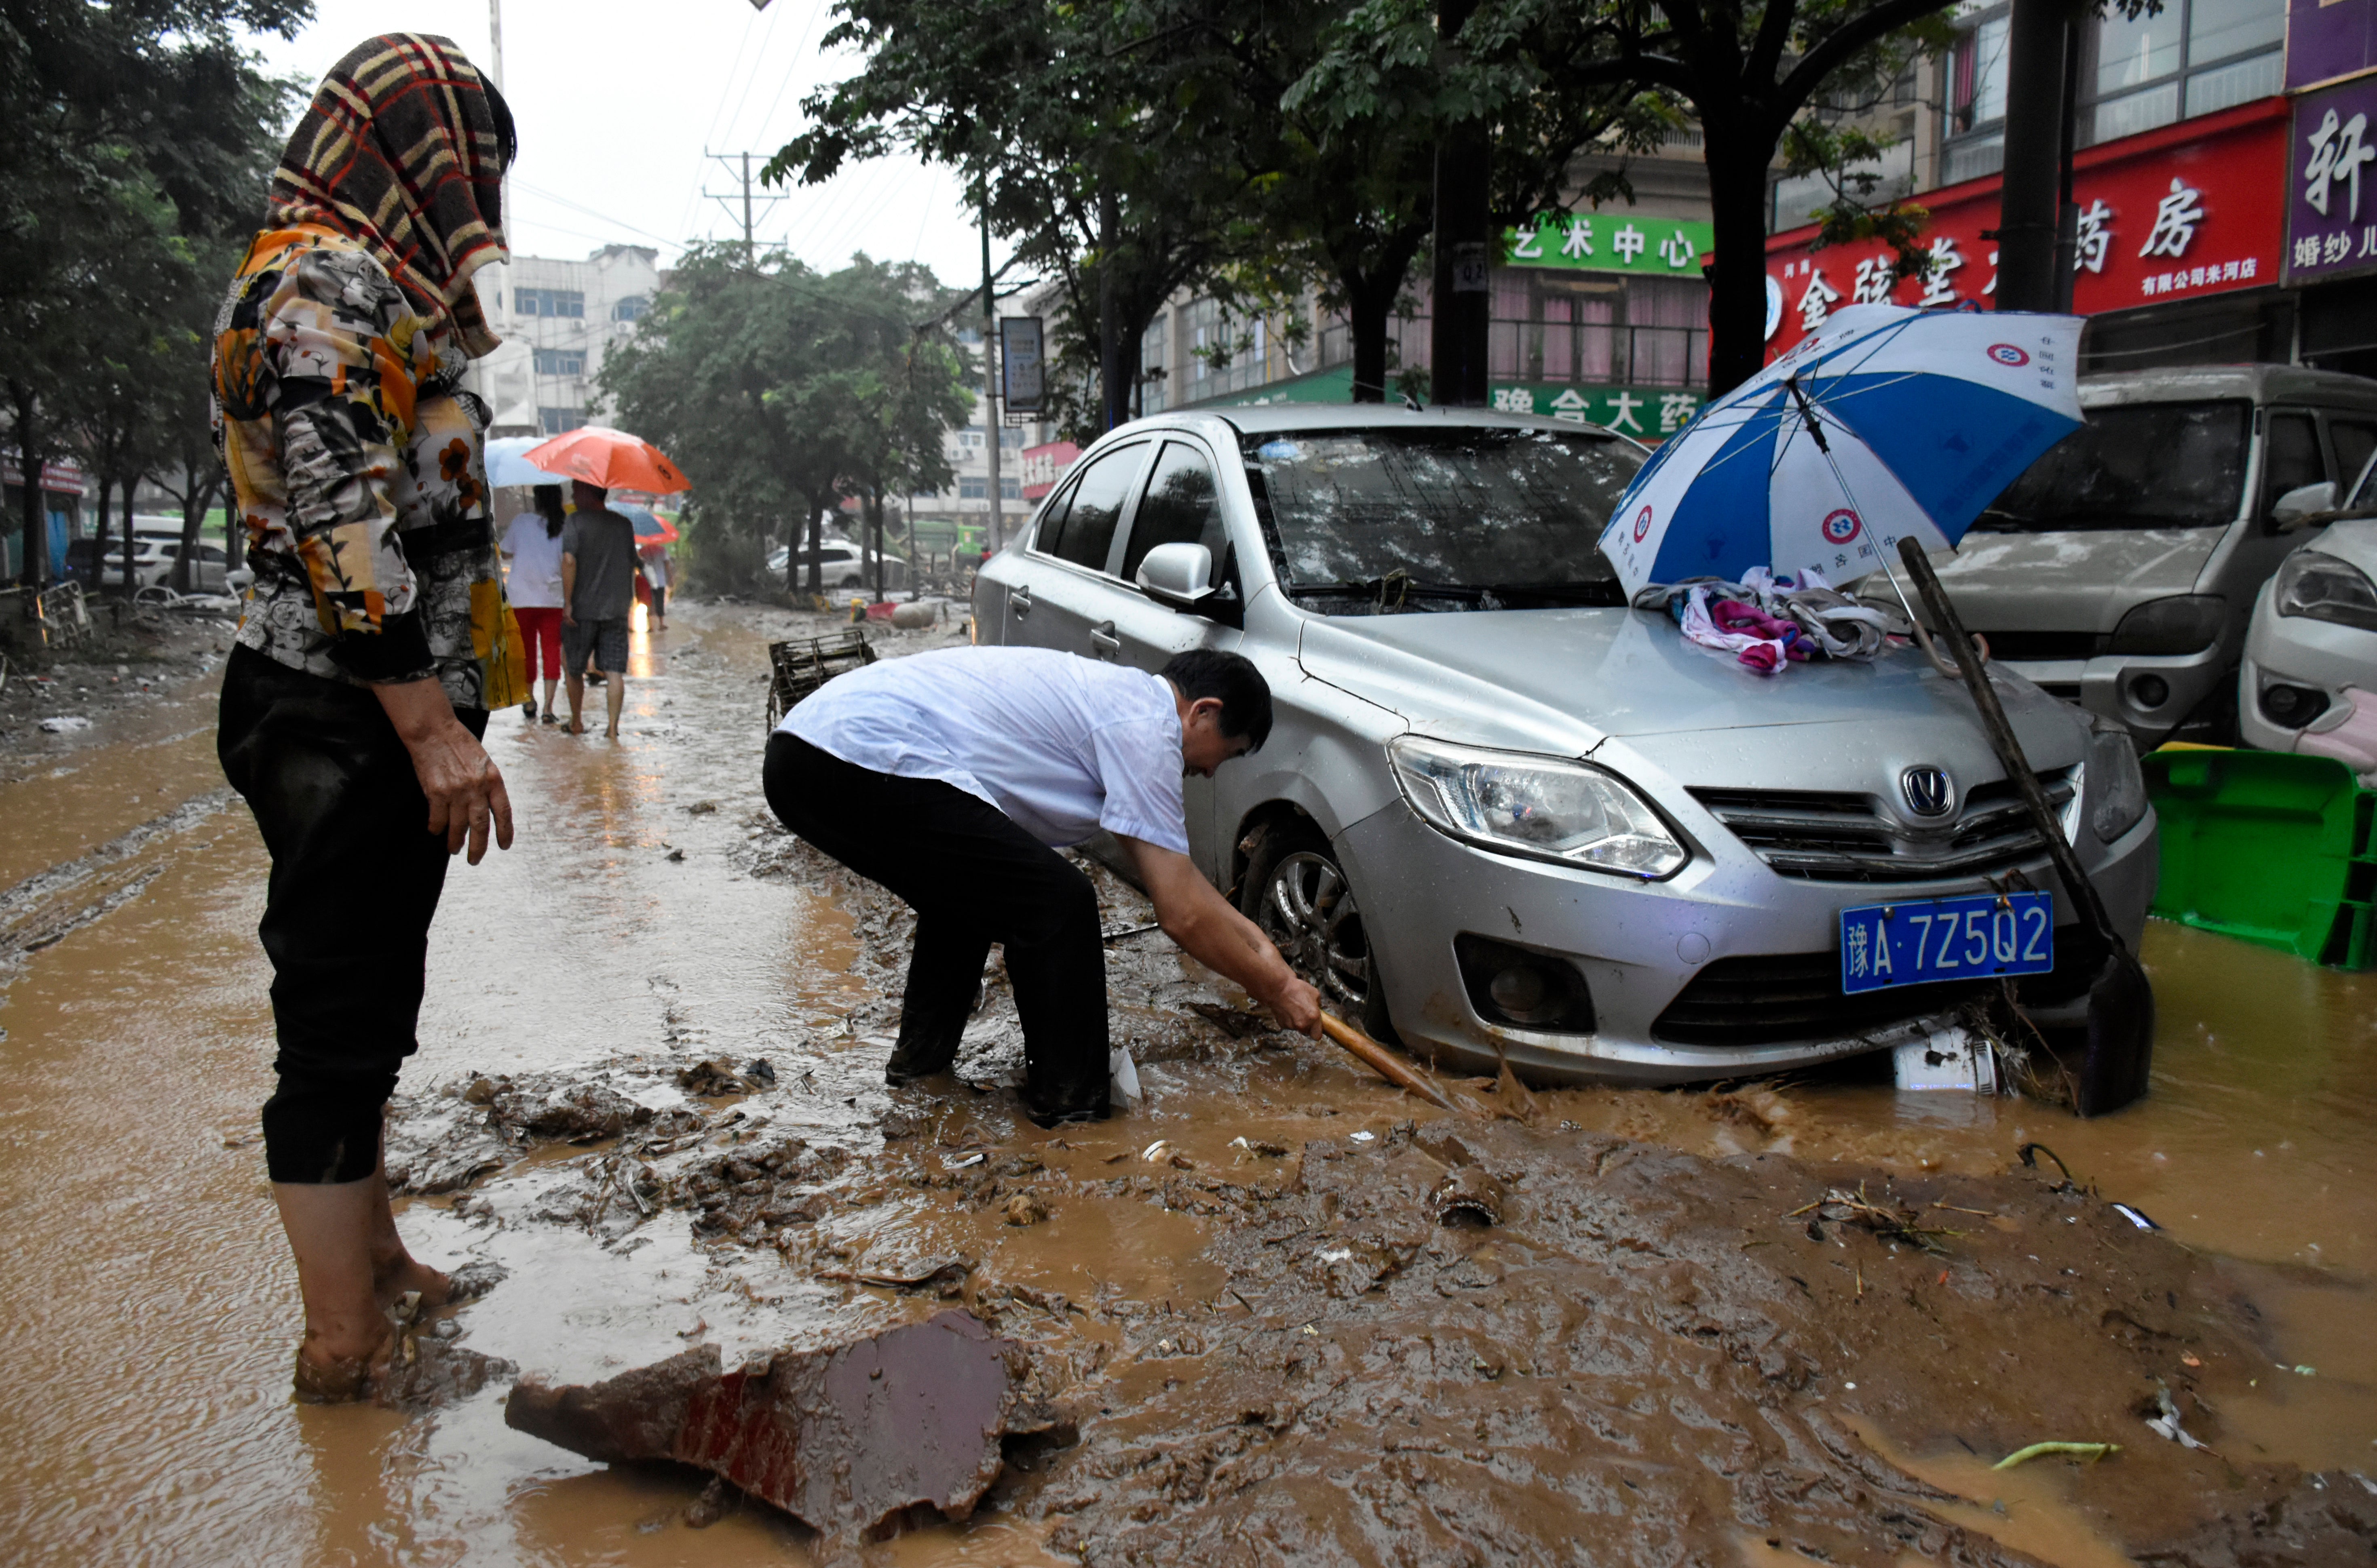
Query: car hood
(1563,682)
(2070,582)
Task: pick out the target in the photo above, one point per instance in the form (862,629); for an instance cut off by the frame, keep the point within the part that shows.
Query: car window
(1439,519)
(1085,534)
(2354,440)
(2133,466)
(2291,461)
(209,552)
(1183,506)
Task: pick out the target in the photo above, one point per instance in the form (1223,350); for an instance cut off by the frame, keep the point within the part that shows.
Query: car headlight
(2187,624)
(2114,775)
(1545,807)
(2321,588)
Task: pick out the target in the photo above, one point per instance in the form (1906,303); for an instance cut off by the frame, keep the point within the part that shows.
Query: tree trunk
(1369,301)
(26,403)
(1114,393)
(875,530)
(99,528)
(816,545)
(197,495)
(1465,252)
(1737,169)
(131,538)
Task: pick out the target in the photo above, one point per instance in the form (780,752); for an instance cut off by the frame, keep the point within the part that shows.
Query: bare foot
(341,1373)
(573,728)
(612,733)
(391,1281)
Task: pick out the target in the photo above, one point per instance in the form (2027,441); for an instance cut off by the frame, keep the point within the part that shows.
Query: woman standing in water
(378,637)
(532,579)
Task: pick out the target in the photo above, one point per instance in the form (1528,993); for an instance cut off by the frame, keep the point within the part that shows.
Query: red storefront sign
(2191,210)
(1044,466)
(57,479)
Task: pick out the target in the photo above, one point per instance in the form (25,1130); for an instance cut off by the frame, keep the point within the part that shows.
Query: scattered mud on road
(1284,1312)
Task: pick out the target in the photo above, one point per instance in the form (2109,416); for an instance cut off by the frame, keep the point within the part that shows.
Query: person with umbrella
(598,575)
(377,638)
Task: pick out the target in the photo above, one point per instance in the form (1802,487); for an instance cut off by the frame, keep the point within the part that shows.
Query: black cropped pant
(355,880)
(973,878)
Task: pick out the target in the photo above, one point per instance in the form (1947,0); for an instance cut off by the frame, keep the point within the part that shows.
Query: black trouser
(356,879)
(973,878)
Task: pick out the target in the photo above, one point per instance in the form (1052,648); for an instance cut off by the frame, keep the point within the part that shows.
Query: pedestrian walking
(532,551)
(377,637)
(657,575)
(953,778)
(598,577)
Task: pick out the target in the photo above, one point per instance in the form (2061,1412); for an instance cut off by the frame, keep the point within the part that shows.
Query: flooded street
(1653,1335)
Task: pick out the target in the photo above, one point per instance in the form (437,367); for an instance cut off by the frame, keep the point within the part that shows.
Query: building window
(2191,57)
(1009,489)
(632,308)
(973,487)
(550,301)
(1595,330)
(554,421)
(561,361)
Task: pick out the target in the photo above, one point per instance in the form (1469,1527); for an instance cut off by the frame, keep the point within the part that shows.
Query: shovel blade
(2120,1039)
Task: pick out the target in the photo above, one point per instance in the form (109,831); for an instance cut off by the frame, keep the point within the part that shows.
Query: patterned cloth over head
(356,458)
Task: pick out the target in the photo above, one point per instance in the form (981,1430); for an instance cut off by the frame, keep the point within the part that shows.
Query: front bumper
(2108,686)
(1639,945)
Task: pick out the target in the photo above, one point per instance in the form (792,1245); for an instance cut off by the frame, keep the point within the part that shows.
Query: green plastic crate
(2269,848)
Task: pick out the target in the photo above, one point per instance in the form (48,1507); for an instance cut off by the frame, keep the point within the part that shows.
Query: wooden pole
(1390,1066)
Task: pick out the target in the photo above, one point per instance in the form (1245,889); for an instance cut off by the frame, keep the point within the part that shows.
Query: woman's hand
(464,786)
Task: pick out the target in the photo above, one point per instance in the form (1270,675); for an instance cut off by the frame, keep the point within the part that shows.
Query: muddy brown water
(151,1311)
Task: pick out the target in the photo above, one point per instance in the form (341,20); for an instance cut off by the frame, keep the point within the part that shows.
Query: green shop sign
(1604,242)
(1647,413)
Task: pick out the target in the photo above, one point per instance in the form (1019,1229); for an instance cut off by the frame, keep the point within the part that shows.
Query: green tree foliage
(782,390)
(1745,70)
(131,132)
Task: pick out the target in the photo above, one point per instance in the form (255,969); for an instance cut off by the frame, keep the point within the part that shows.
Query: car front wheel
(1298,894)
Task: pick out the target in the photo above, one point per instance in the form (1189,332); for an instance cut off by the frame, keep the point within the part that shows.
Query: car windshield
(2133,466)
(1439,519)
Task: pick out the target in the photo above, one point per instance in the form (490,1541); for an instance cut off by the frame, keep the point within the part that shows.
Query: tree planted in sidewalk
(124,128)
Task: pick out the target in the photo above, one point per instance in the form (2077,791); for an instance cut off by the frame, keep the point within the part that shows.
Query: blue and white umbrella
(1884,422)
(508,465)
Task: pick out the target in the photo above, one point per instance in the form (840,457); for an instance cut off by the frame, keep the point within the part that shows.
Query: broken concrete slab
(841,1439)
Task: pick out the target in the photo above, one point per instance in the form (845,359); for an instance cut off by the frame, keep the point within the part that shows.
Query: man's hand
(568,588)
(1202,923)
(465,787)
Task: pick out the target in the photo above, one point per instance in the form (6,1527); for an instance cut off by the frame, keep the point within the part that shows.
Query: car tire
(1300,897)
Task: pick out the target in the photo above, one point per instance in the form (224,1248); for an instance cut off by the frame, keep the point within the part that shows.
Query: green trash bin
(2269,848)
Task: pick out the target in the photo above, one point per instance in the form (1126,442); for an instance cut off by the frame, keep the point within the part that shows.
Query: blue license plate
(1927,940)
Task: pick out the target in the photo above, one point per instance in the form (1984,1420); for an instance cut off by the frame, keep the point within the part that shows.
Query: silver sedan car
(1503,816)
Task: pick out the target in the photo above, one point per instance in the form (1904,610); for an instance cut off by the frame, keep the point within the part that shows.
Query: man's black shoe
(910,1062)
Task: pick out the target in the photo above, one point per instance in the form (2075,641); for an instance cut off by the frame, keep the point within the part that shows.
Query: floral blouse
(357,463)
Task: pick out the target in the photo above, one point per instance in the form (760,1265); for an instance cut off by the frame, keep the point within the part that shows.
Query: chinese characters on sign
(1604,242)
(2331,229)
(2190,209)
(1647,413)
(1044,466)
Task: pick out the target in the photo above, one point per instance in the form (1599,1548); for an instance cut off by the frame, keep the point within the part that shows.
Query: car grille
(1825,836)
(1774,1000)
(1785,998)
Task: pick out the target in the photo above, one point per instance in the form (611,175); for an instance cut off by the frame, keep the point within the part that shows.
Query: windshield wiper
(1392,589)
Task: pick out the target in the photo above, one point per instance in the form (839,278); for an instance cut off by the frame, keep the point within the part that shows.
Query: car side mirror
(2300,506)
(1179,576)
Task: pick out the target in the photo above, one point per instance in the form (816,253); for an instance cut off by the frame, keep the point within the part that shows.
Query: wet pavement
(1629,1344)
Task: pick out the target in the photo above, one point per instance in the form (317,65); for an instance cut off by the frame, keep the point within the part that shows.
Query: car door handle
(1104,642)
(1020,601)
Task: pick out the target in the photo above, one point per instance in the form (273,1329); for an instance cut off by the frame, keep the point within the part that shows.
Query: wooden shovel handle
(1386,1064)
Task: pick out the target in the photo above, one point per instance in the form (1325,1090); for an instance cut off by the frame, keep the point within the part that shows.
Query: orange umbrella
(611,458)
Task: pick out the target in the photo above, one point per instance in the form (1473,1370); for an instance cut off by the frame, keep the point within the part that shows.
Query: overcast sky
(618,100)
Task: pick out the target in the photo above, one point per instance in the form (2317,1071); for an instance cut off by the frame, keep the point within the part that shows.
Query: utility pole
(2029,209)
(729,199)
(991,423)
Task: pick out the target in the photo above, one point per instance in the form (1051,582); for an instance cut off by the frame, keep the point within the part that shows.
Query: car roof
(1226,424)
(2261,383)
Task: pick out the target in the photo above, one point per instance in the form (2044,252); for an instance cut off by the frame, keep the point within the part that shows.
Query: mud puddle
(1270,1346)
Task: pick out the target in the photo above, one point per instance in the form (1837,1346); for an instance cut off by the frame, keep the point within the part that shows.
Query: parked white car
(2309,682)
(840,564)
